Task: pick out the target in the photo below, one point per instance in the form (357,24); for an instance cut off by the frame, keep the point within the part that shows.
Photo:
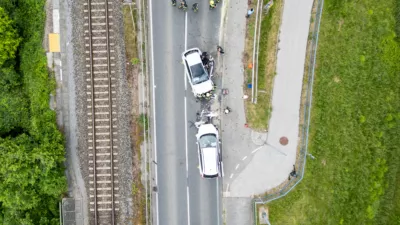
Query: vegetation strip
(32,152)
(138,122)
(355,176)
(257,115)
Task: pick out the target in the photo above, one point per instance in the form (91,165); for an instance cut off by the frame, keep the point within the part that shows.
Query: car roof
(210,161)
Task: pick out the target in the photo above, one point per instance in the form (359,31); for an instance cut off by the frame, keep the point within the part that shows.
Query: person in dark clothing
(195,7)
(293,173)
(220,50)
(183,5)
(204,58)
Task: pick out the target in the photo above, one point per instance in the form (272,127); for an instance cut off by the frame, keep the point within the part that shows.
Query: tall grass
(355,121)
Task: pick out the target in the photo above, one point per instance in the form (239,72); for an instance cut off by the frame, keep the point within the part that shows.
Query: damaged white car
(199,67)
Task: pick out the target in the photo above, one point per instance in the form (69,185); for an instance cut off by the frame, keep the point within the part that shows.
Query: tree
(9,39)
(31,178)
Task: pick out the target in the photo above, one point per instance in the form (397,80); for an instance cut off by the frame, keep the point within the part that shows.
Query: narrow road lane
(168,34)
(205,201)
(183,196)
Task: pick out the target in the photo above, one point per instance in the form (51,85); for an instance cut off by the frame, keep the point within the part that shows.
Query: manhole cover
(284,141)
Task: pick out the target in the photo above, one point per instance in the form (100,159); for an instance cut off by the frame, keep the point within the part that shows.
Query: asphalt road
(183,196)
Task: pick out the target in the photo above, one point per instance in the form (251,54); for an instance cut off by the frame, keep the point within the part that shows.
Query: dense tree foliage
(9,40)
(31,147)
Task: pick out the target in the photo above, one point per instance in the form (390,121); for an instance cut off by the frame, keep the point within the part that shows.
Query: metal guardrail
(256,46)
(302,157)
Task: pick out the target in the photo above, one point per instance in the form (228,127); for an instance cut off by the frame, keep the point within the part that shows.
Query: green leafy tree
(9,39)
(31,177)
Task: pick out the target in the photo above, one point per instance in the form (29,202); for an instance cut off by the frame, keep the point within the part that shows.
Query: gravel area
(124,121)
(124,115)
(80,89)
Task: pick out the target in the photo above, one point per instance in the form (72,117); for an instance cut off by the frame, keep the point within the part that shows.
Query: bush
(135,61)
(9,39)
(32,152)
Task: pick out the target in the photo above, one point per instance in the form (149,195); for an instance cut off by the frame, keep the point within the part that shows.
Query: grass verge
(355,177)
(130,28)
(257,115)
(132,69)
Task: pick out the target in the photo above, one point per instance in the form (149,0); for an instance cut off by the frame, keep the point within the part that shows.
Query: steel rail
(111,116)
(93,112)
(93,109)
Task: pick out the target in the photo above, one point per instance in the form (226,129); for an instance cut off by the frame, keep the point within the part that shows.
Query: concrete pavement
(61,63)
(183,196)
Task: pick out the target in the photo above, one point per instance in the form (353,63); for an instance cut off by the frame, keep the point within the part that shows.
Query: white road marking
(154,105)
(227,187)
(186,132)
(244,158)
(255,150)
(231,175)
(237,166)
(188,202)
(218,201)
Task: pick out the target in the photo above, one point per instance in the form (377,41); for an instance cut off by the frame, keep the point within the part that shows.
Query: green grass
(130,28)
(258,114)
(143,121)
(355,178)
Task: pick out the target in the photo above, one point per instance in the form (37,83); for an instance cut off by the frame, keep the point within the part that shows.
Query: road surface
(183,196)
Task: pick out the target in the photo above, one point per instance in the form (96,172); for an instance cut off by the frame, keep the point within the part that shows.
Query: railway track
(101,111)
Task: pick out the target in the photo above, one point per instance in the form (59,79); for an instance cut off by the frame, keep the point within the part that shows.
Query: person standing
(249,12)
(212,4)
(220,50)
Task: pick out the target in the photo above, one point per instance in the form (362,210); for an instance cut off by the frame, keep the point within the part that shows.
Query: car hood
(207,129)
(203,88)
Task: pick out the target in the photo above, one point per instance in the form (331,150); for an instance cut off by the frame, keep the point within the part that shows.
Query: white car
(210,158)
(197,75)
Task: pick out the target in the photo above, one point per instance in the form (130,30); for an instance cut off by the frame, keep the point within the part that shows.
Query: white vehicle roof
(209,150)
(210,160)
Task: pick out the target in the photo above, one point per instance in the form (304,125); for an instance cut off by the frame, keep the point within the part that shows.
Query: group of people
(195,6)
(207,60)
(183,5)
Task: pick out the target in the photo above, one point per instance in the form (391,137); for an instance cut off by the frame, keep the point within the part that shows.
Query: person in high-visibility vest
(212,4)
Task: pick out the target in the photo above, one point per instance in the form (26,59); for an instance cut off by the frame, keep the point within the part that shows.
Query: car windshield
(208,141)
(199,75)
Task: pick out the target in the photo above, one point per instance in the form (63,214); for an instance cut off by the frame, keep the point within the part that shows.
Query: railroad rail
(101,111)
